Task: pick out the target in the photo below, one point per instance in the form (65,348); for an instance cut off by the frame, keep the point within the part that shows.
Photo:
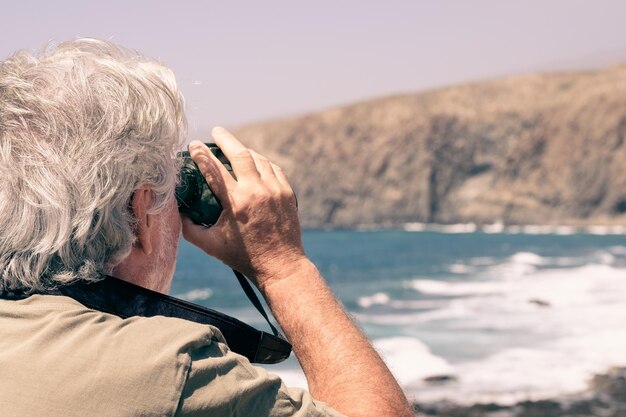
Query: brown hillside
(538,149)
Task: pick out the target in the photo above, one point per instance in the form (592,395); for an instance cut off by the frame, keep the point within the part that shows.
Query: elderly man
(87,136)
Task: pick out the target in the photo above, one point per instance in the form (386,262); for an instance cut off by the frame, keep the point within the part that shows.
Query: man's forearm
(258,234)
(341,367)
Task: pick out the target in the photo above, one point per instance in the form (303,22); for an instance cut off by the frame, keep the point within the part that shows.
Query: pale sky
(243,61)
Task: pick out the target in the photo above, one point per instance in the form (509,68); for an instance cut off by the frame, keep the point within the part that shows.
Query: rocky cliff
(537,149)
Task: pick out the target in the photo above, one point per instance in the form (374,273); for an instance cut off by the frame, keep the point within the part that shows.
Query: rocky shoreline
(605,397)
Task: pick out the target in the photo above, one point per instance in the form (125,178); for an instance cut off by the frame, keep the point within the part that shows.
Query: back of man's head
(82,126)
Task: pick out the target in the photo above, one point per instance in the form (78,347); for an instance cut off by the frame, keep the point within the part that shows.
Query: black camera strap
(123,299)
(247,288)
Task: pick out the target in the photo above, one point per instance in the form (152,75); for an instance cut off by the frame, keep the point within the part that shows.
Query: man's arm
(258,234)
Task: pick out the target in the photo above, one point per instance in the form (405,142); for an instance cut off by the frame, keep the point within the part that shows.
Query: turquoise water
(472,305)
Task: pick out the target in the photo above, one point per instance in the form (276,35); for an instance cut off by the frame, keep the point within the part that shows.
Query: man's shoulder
(89,356)
(71,316)
(68,356)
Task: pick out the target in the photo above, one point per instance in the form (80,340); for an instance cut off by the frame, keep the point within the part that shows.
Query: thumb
(204,238)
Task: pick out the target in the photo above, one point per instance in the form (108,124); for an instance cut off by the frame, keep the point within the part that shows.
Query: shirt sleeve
(222,383)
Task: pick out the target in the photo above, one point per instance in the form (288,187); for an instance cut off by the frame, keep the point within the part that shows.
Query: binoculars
(193,194)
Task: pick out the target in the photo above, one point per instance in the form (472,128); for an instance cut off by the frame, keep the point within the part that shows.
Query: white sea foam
(565,230)
(461,268)
(562,261)
(512,375)
(441,228)
(532,229)
(606,258)
(564,324)
(618,250)
(456,288)
(378,298)
(415,227)
(529,229)
(384,299)
(555,286)
(520,264)
(528,258)
(534,326)
(605,230)
(497,227)
(522,373)
(411,360)
(198,294)
(459,228)
(548,230)
(416,304)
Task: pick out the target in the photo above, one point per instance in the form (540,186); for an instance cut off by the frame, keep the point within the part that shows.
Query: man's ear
(145,229)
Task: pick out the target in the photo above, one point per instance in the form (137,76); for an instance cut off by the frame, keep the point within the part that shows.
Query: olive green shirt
(59,358)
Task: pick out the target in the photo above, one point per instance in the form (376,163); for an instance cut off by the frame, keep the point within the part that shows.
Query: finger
(280,175)
(215,174)
(282,179)
(239,156)
(263,165)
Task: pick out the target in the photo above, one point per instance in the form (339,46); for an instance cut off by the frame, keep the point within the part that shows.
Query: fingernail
(218,129)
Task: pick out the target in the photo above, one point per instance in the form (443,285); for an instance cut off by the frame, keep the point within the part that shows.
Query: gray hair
(82,126)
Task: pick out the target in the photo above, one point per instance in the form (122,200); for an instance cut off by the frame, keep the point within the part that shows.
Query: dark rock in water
(606,397)
(448,409)
(595,407)
(611,384)
(539,303)
(440,379)
(544,408)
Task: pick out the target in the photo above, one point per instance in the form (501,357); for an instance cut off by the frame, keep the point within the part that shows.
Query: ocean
(465,316)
